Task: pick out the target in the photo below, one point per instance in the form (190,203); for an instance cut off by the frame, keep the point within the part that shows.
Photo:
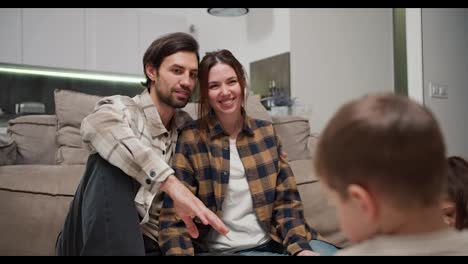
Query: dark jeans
(102,219)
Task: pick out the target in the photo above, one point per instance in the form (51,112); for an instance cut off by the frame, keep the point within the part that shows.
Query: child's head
(380,149)
(455,206)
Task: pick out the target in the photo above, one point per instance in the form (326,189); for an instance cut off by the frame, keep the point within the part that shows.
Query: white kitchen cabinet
(112,40)
(155,23)
(10,35)
(109,40)
(54,37)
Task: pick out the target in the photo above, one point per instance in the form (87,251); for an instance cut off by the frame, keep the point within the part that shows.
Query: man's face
(176,78)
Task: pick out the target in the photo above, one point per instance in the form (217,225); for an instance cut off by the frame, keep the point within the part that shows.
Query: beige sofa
(42,162)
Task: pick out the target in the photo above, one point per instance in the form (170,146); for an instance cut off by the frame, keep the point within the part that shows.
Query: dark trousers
(102,219)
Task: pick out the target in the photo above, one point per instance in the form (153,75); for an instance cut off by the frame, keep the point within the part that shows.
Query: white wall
(338,55)
(445,62)
(215,33)
(268,32)
(414,54)
(262,33)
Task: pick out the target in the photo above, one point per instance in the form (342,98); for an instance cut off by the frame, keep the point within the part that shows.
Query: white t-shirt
(445,242)
(238,214)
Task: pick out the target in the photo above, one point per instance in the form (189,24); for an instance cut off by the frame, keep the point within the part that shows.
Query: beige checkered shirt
(128,132)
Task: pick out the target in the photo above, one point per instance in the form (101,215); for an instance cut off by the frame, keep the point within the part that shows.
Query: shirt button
(152,173)
(148,181)
(164,152)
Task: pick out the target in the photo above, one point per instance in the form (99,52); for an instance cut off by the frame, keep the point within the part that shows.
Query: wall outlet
(438,90)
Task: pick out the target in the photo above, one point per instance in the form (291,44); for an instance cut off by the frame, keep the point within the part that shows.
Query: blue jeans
(319,246)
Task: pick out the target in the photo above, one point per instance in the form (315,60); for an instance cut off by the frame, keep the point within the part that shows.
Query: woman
(231,162)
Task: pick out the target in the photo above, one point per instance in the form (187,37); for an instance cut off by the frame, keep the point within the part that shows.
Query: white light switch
(433,89)
(438,90)
(443,93)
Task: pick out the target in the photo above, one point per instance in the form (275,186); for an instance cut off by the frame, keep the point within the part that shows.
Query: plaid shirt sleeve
(288,211)
(114,131)
(173,237)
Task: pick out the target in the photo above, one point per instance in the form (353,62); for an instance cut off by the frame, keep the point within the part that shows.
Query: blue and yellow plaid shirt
(203,165)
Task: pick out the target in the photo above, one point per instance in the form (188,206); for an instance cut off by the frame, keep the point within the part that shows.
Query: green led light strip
(86,76)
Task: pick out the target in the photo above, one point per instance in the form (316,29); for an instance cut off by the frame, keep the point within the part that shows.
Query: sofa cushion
(35,138)
(46,179)
(71,155)
(255,109)
(320,214)
(303,171)
(71,150)
(70,136)
(8,150)
(294,133)
(71,107)
(30,222)
(35,200)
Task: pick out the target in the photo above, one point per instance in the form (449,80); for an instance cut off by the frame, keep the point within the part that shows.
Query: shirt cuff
(156,175)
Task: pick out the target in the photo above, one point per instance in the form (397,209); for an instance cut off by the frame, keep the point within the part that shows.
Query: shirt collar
(216,129)
(152,114)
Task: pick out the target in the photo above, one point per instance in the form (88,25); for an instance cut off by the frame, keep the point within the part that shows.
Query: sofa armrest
(35,137)
(8,150)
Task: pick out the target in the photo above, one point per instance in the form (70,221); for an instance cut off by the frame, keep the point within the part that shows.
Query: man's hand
(307,253)
(188,206)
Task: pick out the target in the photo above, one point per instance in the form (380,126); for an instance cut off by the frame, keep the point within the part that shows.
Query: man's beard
(169,100)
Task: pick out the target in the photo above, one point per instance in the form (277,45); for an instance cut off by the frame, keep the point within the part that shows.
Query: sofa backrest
(56,139)
(294,133)
(35,138)
(71,107)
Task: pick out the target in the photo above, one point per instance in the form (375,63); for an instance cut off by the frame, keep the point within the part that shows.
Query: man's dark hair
(165,46)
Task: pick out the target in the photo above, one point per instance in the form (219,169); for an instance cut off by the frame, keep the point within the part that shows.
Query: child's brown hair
(387,142)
